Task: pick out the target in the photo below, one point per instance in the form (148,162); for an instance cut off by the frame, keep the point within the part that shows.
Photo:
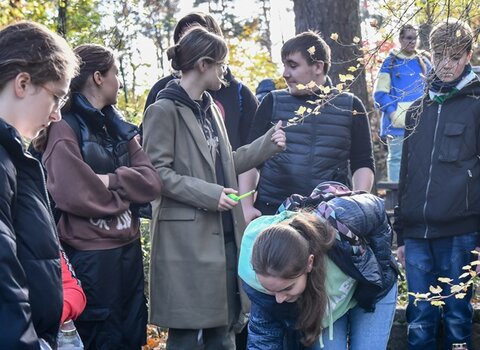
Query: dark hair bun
(172,53)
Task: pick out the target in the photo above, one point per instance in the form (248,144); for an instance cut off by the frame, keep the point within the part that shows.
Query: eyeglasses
(60,101)
(223,66)
(220,64)
(410,38)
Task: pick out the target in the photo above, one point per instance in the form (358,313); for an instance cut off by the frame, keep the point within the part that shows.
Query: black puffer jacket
(31,297)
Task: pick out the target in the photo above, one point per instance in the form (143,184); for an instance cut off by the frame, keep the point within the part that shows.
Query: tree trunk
(341,17)
(62,18)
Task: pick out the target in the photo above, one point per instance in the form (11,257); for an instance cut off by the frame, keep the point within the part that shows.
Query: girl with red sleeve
(99,176)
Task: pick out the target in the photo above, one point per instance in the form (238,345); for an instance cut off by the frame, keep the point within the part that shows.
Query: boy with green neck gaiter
(438,213)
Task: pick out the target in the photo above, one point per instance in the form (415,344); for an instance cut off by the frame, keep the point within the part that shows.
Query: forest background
(360,33)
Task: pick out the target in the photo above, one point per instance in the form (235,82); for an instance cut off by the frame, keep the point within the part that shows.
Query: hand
(401,255)
(250,213)
(226,203)
(278,137)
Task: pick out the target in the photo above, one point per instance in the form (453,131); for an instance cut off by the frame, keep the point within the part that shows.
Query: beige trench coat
(187,267)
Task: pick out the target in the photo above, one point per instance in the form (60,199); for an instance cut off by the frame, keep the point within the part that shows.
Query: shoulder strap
(72,121)
(240,98)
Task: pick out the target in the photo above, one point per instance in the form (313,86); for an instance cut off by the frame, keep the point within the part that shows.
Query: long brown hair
(283,250)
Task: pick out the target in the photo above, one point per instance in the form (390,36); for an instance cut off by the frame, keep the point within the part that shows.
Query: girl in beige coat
(196,226)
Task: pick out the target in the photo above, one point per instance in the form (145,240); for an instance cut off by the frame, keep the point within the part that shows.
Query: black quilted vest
(103,146)
(318,149)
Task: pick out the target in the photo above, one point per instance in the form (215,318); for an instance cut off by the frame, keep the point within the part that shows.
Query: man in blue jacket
(401,81)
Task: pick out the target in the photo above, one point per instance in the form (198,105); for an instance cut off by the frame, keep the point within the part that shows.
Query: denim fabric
(394,158)
(426,261)
(365,330)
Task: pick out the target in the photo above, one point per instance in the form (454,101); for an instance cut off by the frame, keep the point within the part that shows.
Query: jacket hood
(360,213)
(265,86)
(472,87)
(173,91)
(399,54)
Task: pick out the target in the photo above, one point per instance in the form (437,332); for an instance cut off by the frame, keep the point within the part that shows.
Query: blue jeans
(394,158)
(364,330)
(426,261)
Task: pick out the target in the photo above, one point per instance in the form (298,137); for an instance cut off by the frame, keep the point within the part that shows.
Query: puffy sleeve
(16,327)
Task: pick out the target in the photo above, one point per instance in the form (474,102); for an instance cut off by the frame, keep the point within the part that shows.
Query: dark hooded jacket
(201,109)
(439,188)
(235,101)
(31,295)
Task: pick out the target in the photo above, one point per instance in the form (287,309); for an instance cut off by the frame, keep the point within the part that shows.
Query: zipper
(469,172)
(427,189)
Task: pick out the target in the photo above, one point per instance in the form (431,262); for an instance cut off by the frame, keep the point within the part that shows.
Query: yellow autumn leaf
(460,295)
(475,252)
(325,89)
(352,69)
(334,36)
(423,295)
(339,86)
(311,85)
(456,288)
(463,275)
(300,87)
(445,280)
(356,39)
(344,77)
(293,120)
(301,110)
(466,267)
(435,290)
(437,303)
(311,50)
(476,262)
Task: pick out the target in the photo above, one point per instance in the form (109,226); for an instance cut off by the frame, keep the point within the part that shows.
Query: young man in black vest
(333,145)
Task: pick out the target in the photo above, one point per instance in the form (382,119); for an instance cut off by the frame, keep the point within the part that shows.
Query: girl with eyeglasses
(98,176)
(36,66)
(196,226)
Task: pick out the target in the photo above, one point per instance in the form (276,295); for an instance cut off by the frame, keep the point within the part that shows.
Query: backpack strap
(240,98)
(72,121)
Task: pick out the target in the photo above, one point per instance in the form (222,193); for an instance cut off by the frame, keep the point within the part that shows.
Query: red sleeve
(74,299)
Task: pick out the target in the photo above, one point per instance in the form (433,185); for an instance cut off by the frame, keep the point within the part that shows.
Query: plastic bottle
(68,337)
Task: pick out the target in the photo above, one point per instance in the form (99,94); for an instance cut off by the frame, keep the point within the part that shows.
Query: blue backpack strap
(240,98)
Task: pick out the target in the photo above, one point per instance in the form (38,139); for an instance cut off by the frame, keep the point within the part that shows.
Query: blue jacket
(401,81)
